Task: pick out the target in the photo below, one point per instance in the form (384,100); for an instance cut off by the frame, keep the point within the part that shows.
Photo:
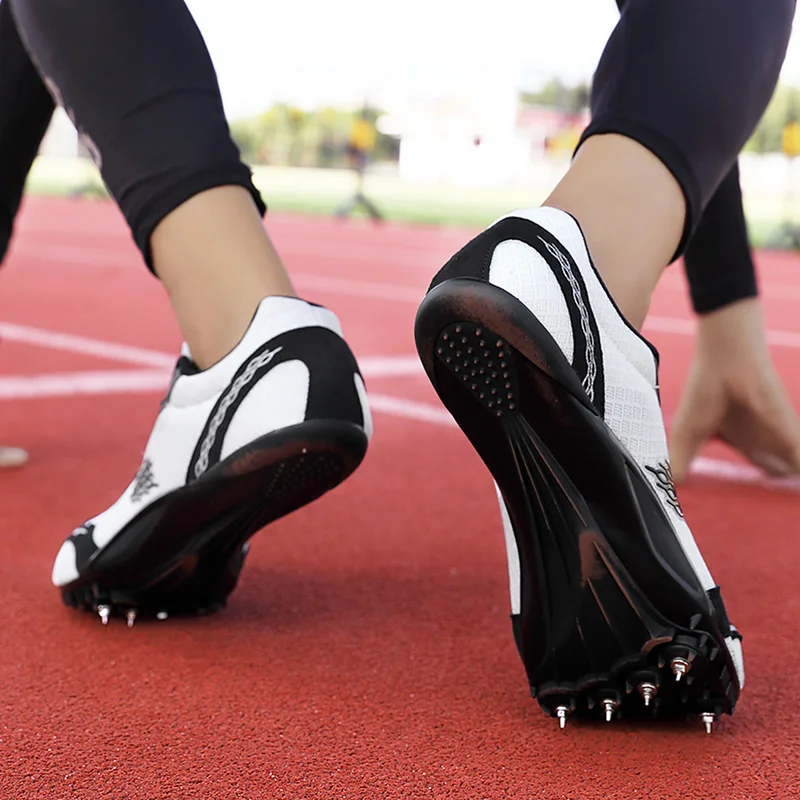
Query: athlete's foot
(12,457)
(613,608)
(276,423)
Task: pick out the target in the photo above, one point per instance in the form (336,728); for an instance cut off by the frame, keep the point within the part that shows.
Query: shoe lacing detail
(591,363)
(228,399)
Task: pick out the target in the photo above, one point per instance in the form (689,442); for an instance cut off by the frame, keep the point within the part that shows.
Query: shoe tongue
(185,365)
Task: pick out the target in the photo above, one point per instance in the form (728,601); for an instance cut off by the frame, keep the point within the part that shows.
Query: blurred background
(449,115)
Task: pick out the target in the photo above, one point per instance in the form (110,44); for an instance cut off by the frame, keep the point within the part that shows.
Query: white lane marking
(74,384)
(92,257)
(391,366)
(411,409)
(685,327)
(371,366)
(85,346)
(424,257)
(374,290)
(735,472)
(688,327)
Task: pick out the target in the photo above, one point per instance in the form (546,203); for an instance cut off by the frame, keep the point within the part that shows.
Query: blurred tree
(783,109)
(288,136)
(555,94)
(768,137)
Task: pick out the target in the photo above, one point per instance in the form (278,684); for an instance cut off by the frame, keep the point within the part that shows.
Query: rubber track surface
(367,652)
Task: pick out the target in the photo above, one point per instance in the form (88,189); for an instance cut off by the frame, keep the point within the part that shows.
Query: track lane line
(372,290)
(82,384)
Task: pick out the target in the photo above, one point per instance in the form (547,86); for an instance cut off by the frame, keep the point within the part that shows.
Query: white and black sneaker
(613,608)
(276,423)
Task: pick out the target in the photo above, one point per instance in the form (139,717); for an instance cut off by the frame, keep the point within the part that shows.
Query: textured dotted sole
(612,619)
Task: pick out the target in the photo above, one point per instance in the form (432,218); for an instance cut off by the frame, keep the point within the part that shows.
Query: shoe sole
(183,554)
(608,599)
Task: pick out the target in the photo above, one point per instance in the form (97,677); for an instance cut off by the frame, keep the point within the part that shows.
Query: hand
(734,393)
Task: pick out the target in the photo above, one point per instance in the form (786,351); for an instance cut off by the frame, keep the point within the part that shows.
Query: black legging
(26,108)
(717,258)
(689,79)
(136,79)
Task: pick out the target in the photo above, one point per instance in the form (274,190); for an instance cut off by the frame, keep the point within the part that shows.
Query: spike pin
(105,612)
(679,666)
(648,691)
(708,720)
(561,713)
(609,706)
(131,617)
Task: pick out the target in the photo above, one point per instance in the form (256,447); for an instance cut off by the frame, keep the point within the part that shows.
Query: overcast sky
(317,51)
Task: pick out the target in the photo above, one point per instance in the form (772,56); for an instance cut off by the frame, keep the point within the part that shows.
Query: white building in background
(457,128)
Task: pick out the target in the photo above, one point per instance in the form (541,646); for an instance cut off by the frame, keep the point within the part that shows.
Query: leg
(719,263)
(370,208)
(527,335)
(266,410)
(25,112)
(695,145)
(176,187)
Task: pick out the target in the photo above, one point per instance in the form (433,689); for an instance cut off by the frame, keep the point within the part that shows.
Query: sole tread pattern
(595,644)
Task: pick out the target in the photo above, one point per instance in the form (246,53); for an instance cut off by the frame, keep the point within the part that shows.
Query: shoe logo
(664,481)
(144,481)
(227,401)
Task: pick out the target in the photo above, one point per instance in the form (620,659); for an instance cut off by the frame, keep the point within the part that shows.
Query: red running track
(367,652)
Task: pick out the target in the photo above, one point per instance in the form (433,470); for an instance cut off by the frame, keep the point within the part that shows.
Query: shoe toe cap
(65,569)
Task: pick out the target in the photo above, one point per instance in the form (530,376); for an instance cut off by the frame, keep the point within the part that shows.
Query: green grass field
(320,191)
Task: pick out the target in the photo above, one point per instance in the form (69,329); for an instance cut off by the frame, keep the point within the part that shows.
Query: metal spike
(609,706)
(707,719)
(648,691)
(104,612)
(131,617)
(679,666)
(561,713)
(162,615)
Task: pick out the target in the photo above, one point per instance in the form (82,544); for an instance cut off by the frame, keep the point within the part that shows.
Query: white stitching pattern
(591,364)
(233,392)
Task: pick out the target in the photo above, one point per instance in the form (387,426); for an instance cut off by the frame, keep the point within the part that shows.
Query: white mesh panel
(632,410)
(521,271)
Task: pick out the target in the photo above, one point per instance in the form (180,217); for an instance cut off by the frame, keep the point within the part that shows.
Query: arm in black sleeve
(718,260)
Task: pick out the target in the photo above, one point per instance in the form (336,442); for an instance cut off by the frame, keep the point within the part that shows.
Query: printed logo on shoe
(664,481)
(144,482)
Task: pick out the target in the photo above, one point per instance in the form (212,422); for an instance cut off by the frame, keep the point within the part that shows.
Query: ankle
(631,210)
(212,328)
(217,263)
